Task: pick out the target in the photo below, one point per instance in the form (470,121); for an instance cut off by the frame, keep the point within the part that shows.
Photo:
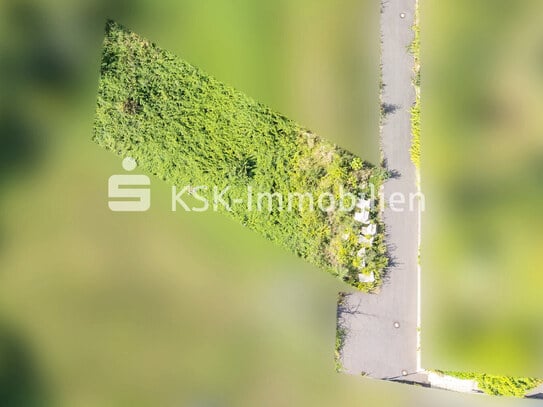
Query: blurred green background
(482,169)
(181,309)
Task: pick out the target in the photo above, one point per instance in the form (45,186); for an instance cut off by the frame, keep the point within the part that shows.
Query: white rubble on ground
(370,230)
(364,240)
(364,278)
(366,237)
(362,217)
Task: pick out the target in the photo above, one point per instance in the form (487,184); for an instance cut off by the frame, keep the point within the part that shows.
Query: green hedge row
(499,385)
(187,128)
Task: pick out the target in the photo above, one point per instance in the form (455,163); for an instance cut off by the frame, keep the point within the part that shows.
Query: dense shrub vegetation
(187,128)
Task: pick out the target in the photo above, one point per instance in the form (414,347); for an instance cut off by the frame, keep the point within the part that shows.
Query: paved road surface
(383,328)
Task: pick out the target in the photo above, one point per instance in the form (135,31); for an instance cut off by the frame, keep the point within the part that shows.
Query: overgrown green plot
(187,128)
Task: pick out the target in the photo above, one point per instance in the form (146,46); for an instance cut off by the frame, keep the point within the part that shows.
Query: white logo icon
(122,199)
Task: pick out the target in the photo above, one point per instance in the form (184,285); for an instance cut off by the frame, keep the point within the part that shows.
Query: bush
(415,130)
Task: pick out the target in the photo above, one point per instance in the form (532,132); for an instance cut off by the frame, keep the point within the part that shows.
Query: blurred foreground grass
(174,309)
(483,177)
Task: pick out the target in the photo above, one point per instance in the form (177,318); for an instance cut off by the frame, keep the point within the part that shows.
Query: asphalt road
(383,328)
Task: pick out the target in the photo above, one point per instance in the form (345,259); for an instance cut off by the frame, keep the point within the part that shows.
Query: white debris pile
(366,236)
